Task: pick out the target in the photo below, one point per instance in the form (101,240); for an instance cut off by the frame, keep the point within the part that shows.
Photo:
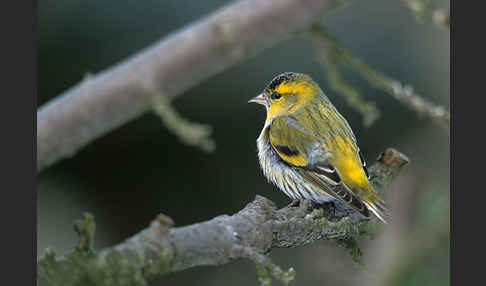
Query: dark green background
(127,177)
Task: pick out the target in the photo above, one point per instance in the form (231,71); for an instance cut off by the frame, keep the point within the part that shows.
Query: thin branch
(190,133)
(85,229)
(423,11)
(442,18)
(251,233)
(266,268)
(403,93)
(117,95)
(328,58)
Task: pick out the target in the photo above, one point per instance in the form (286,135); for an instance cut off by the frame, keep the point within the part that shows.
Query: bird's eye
(275,96)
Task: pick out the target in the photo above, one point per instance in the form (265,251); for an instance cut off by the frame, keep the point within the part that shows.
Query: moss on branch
(251,233)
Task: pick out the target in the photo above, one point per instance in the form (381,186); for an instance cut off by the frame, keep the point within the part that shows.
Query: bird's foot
(294,203)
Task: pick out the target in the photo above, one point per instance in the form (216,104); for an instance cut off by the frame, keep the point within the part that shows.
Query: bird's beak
(260,99)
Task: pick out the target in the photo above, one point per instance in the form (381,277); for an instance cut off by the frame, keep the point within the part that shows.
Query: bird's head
(286,92)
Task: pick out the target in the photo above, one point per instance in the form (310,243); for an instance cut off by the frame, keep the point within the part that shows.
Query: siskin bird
(308,150)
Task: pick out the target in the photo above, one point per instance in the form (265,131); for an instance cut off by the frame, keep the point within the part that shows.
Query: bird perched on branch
(308,150)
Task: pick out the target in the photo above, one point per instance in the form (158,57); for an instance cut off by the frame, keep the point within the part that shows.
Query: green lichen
(79,268)
(317,213)
(319,221)
(263,275)
(159,263)
(341,228)
(288,276)
(372,228)
(85,267)
(267,269)
(350,244)
(158,253)
(85,228)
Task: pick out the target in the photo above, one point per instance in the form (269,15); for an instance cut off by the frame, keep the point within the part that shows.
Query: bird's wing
(290,140)
(327,178)
(294,146)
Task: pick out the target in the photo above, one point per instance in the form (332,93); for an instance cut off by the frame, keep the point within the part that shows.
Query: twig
(266,268)
(190,133)
(85,228)
(251,233)
(113,97)
(423,11)
(327,56)
(442,18)
(403,93)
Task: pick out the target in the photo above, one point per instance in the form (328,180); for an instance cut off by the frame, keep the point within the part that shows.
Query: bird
(308,150)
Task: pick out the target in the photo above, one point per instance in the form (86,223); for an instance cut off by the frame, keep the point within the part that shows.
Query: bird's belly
(294,186)
(285,177)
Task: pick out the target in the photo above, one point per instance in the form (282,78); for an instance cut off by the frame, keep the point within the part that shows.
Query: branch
(251,233)
(328,57)
(403,93)
(423,11)
(442,18)
(105,101)
(190,133)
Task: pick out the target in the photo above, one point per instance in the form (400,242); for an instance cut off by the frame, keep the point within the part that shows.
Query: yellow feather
(349,164)
(303,116)
(298,160)
(306,91)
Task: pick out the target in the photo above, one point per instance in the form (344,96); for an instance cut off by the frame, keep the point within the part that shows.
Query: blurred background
(129,176)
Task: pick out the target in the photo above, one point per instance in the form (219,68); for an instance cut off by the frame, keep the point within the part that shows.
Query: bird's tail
(379,208)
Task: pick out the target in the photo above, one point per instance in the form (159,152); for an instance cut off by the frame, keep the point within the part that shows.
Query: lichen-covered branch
(327,56)
(403,93)
(190,133)
(423,10)
(107,100)
(251,233)
(266,268)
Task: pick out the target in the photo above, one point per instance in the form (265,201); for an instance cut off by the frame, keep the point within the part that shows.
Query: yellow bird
(308,150)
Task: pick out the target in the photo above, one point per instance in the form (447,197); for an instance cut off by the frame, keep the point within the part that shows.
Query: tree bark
(251,233)
(105,101)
